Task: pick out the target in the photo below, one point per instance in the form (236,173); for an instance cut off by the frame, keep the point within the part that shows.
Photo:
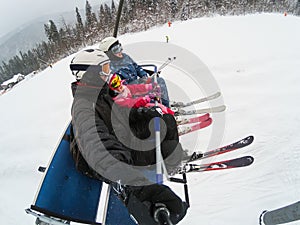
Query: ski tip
(250,160)
(243,161)
(246,141)
(204,124)
(250,139)
(220,108)
(217,109)
(218,94)
(208,121)
(215,95)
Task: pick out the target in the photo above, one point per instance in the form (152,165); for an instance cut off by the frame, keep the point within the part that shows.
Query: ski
(180,120)
(228,148)
(180,112)
(185,104)
(198,126)
(221,165)
(281,215)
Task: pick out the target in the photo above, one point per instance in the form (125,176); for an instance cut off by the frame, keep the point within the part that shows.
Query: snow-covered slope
(255,60)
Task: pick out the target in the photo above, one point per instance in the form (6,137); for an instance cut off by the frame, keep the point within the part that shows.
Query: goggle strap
(84,67)
(102,72)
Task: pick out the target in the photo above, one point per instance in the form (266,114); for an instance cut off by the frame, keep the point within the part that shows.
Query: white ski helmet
(107,42)
(89,59)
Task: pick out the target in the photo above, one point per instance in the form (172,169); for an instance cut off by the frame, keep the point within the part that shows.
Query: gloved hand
(156,90)
(154,111)
(144,79)
(154,97)
(154,195)
(142,101)
(149,80)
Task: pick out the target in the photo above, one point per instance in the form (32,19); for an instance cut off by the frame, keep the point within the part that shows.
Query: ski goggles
(105,69)
(117,49)
(115,81)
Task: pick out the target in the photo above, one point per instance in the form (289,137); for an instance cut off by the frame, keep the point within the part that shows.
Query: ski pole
(159,159)
(167,62)
(159,174)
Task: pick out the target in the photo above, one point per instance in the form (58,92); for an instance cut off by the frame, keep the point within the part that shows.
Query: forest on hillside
(137,15)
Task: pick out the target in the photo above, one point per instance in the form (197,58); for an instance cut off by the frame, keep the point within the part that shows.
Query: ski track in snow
(255,60)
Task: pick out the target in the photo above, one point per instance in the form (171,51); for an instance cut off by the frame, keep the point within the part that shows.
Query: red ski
(196,119)
(198,126)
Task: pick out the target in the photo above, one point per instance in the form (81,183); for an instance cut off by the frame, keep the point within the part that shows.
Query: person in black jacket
(117,143)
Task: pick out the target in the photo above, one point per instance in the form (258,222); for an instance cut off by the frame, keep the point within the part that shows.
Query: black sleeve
(101,150)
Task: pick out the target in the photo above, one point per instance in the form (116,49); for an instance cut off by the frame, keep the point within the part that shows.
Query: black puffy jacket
(113,139)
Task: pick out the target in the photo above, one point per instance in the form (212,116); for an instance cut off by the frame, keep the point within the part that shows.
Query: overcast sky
(14,13)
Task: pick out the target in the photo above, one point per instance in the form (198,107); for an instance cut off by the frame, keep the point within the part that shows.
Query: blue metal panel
(117,213)
(65,192)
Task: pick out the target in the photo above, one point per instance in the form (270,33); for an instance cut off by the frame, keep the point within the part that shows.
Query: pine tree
(125,18)
(297,8)
(137,15)
(67,37)
(91,22)
(113,7)
(52,32)
(2,76)
(88,16)
(106,20)
(79,28)
(101,24)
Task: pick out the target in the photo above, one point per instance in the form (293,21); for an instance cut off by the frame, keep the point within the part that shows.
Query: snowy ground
(255,60)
